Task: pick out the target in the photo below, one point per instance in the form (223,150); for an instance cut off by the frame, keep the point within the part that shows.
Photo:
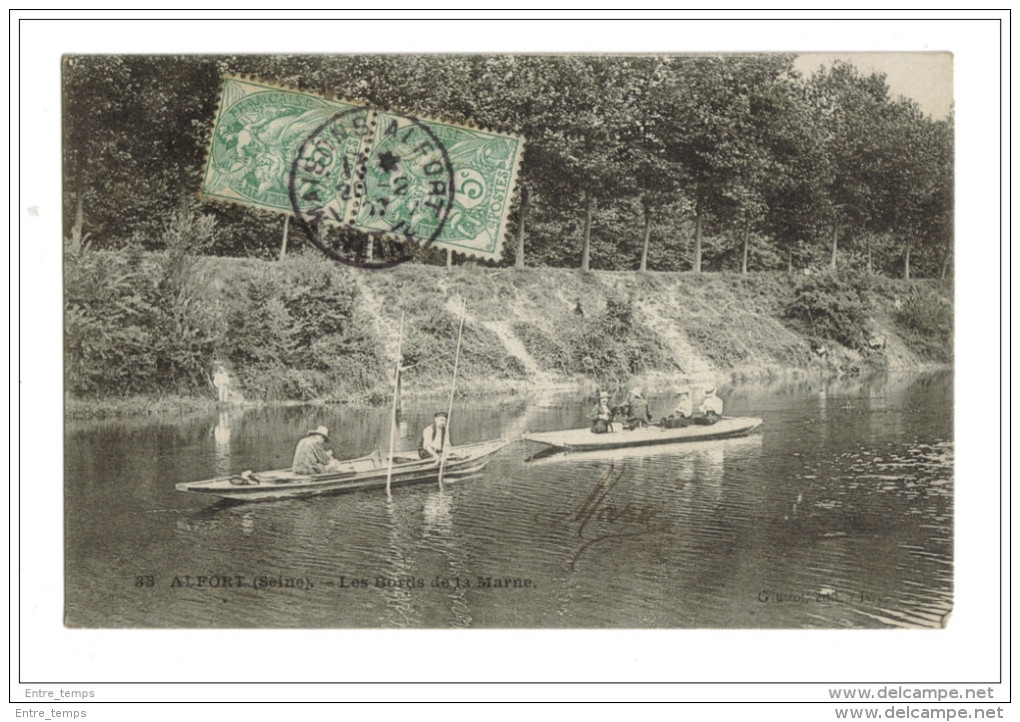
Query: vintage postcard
(505,341)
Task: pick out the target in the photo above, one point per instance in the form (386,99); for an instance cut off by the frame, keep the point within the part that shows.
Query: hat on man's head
(710,389)
(683,391)
(321,431)
(603,394)
(440,415)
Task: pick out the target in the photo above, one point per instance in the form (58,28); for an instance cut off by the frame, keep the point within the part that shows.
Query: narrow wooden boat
(366,472)
(734,444)
(551,442)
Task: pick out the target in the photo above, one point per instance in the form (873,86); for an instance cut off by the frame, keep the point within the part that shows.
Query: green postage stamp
(334,161)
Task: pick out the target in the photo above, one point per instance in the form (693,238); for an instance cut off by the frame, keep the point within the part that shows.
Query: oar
(453,390)
(396,401)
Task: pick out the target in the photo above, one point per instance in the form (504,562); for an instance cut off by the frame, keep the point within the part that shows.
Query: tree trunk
(868,241)
(945,263)
(449,258)
(586,248)
(519,261)
(697,243)
(747,237)
(283,243)
(789,261)
(648,235)
(835,239)
(906,262)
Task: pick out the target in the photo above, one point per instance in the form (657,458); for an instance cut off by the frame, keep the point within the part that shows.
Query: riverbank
(304,331)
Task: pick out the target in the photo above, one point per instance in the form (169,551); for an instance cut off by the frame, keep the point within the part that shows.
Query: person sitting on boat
(435,437)
(601,416)
(681,415)
(310,456)
(638,414)
(711,408)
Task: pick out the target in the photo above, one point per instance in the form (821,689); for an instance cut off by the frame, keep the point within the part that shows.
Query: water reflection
(436,513)
(844,494)
(398,582)
(440,537)
(221,439)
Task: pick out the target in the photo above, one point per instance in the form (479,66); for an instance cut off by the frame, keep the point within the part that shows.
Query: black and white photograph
(658,340)
(707,383)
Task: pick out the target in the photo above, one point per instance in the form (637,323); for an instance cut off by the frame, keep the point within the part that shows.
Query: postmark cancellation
(381,172)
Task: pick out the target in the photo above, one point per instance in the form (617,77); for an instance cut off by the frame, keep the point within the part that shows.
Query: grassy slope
(710,326)
(543,327)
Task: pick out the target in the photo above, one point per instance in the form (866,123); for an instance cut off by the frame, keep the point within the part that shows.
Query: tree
(576,151)
(643,155)
(795,188)
(93,112)
(913,177)
(773,141)
(640,158)
(852,109)
(713,134)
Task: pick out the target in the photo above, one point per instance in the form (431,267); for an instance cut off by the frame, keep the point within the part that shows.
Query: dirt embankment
(557,326)
(305,331)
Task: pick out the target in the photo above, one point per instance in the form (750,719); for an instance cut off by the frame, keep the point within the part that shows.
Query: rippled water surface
(837,512)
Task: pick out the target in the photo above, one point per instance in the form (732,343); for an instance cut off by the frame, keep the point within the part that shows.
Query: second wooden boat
(550,442)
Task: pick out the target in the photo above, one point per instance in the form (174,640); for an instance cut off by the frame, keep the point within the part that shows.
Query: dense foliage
(299,334)
(833,308)
(608,346)
(139,322)
(925,322)
(671,162)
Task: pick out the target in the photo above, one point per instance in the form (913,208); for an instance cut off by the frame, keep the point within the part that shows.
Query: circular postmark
(379,172)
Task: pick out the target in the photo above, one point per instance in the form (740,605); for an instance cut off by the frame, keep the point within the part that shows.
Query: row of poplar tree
(632,162)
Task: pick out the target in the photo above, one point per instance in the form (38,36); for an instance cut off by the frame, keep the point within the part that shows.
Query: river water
(837,512)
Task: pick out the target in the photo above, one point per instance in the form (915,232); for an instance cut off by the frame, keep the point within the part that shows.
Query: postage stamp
(381,172)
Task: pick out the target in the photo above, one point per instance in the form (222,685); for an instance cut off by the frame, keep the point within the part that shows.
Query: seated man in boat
(711,408)
(681,415)
(638,414)
(310,456)
(600,416)
(435,437)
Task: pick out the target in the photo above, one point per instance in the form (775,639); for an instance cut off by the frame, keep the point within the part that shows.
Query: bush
(925,321)
(547,350)
(829,307)
(430,345)
(134,323)
(106,335)
(614,344)
(296,331)
(260,330)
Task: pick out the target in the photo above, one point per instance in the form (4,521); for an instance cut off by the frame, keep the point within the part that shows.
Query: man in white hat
(601,416)
(310,457)
(435,437)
